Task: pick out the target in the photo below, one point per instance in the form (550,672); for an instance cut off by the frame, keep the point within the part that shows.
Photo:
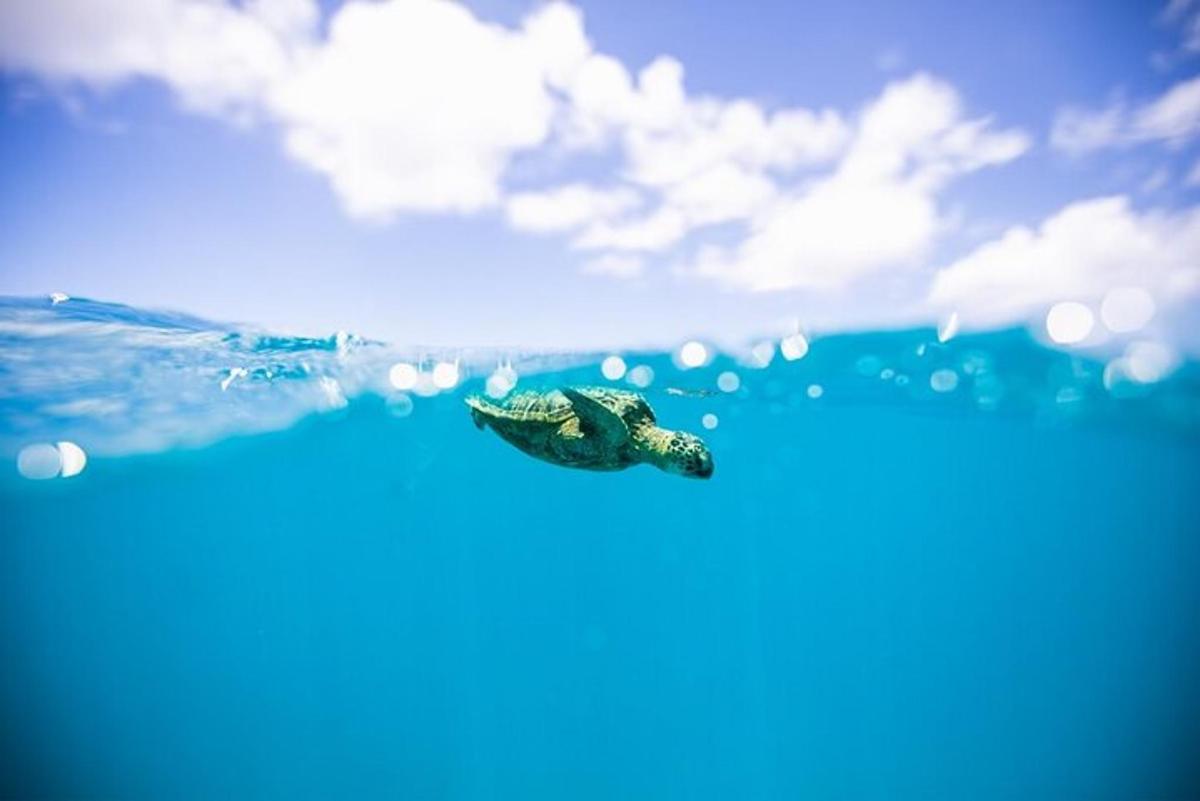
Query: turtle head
(686,455)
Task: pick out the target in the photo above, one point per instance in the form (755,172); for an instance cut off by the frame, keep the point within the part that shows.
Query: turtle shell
(546,408)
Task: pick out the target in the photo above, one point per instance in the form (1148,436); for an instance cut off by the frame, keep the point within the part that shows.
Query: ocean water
(922,569)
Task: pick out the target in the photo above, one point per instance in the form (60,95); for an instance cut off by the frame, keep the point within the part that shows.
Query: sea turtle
(593,428)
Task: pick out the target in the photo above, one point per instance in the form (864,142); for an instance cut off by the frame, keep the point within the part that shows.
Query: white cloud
(878,209)
(216,57)
(407,105)
(568,207)
(721,193)
(616,265)
(709,160)
(663,228)
(417,105)
(1078,254)
(709,133)
(420,106)
(1078,131)
(1173,118)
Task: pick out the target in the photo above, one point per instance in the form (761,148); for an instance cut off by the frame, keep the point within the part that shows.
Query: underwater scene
(923,564)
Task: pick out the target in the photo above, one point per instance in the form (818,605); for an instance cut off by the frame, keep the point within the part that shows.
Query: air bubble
(641,376)
(39,462)
(944,380)
(1069,322)
(403,376)
(794,347)
(613,368)
(693,354)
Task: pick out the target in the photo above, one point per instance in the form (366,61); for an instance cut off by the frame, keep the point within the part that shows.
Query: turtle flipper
(477,415)
(597,418)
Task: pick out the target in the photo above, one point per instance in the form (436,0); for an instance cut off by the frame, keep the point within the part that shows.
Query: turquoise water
(280,577)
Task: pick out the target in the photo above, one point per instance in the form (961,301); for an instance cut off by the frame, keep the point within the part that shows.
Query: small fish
(690,393)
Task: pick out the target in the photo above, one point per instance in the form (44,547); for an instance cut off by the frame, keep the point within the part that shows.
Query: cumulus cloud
(617,265)
(217,58)
(416,106)
(1172,118)
(412,105)
(1079,253)
(568,207)
(878,208)
(663,228)
(420,106)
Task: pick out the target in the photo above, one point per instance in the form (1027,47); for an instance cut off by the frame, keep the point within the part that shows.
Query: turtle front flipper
(597,418)
(478,416)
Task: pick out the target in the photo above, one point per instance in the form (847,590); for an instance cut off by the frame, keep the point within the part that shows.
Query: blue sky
(617,173)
